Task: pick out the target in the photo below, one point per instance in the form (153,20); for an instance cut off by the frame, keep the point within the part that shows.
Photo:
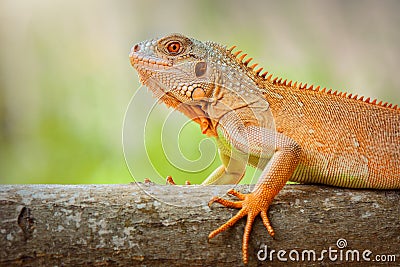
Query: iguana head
(190,75)
(177,69)
(175,65)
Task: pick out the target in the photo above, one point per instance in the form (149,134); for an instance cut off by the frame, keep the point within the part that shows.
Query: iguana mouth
(146,65)
(138,59)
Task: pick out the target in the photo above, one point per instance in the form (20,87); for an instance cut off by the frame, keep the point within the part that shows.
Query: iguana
(289,130)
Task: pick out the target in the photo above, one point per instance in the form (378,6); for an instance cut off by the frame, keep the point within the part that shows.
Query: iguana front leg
(230,172)
(258,141)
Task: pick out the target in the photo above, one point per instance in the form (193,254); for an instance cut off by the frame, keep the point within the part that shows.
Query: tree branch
(125,225)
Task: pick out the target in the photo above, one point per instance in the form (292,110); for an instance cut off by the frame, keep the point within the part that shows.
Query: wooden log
(72,225)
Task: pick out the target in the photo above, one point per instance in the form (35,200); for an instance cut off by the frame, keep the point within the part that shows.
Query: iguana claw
(170,181)
(250,205)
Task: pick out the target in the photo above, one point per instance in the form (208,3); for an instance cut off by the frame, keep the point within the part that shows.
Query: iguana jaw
(144,59)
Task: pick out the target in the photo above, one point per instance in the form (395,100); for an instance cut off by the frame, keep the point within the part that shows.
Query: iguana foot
(249,204)
(147,181)
(170,181)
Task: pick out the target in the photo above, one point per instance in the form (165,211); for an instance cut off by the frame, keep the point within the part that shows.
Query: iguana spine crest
(240,59)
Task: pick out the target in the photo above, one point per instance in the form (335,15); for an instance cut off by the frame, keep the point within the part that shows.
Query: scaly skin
(288,130)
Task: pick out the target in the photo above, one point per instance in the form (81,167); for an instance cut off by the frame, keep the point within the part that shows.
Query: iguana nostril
(136,48)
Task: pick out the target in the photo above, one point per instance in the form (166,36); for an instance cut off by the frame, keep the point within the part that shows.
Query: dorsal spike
(279,81)
(264,74)
(258,71)
(230,49)
(253,66)
(242,57)
(248,61)
(237,53)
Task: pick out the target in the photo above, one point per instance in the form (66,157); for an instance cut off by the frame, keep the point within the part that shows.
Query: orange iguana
(290,131)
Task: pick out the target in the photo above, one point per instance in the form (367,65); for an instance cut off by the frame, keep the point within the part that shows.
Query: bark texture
(124,225)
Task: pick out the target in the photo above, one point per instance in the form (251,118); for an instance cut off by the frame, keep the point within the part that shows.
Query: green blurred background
(66,80)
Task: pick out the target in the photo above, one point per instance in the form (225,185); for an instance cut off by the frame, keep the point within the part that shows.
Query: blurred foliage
(66,81)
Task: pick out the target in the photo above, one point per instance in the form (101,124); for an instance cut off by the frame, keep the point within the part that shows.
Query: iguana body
(288,130)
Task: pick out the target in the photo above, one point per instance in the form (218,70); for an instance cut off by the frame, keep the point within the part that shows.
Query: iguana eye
(174,48)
